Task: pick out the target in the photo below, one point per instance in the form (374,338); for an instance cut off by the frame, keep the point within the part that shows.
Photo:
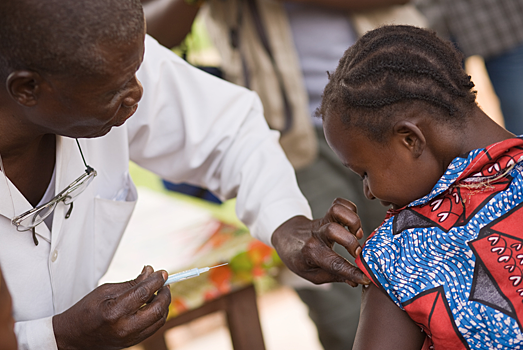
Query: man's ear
(410,136)
(24,87)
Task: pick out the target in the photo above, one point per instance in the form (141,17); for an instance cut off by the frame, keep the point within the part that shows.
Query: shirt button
(54,256)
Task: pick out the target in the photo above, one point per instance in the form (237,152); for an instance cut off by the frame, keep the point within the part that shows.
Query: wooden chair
(243,320)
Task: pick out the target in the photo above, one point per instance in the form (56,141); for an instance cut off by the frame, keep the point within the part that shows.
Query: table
(182,233)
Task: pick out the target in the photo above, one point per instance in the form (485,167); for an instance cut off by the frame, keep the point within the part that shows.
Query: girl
(446,264)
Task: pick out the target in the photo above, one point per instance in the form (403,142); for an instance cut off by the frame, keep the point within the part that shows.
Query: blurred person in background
(7,323)
(282,50)
(492,29)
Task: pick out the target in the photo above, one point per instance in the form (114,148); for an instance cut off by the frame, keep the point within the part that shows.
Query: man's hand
(305,246)
(115,316)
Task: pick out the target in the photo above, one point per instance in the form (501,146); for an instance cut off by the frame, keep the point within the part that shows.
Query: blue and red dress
(453,260)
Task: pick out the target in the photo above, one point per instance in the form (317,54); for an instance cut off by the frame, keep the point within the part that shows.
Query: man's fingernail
(357,251)
(350,283)
(365,279)
(359,233)
(143,270)
(165,275)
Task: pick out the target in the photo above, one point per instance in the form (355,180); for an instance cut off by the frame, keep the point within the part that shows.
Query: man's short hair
(62,36)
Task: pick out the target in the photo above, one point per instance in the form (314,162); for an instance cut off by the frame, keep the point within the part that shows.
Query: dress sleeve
(36,334)
(378,260)
(195,128)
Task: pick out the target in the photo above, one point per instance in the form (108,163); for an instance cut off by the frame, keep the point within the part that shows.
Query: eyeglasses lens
(33,219)
(78,187)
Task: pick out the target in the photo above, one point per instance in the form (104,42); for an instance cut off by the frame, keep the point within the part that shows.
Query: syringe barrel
(182,275)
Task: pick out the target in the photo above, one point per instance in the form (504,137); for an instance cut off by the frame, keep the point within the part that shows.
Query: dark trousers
(335,311)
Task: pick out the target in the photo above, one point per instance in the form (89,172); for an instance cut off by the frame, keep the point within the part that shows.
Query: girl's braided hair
(392,68)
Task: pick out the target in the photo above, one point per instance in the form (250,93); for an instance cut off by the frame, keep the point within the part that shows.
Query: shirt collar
(469,165)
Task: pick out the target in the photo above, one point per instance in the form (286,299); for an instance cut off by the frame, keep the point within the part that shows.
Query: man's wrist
(61,334)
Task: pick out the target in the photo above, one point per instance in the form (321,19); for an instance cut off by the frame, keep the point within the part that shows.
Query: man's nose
(134,95)
(366,190)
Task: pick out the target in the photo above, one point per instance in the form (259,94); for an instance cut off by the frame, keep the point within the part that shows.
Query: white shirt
(189,127)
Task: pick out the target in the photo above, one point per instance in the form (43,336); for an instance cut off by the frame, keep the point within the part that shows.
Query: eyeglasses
(34,217)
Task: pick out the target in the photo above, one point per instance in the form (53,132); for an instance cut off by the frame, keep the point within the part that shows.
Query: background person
(282,50)
(493,30)
(7,323)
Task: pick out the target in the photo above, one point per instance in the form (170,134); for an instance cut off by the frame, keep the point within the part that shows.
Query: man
(69,71)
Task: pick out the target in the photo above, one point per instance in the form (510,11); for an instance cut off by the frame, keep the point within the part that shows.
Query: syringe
(188,274)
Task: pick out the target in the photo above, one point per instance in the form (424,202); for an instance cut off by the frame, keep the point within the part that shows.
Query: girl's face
(391,172)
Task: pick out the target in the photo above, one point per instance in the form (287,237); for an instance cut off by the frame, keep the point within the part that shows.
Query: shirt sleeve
(36,334)
(378,259)
(195,128)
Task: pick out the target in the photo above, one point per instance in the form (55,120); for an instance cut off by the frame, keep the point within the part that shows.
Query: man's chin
(82,134)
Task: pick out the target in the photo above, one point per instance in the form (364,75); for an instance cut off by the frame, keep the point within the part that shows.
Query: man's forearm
(169,21)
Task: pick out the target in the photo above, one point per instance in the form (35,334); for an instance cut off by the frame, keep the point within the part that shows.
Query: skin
(403,168)
(169,21)
(7,323)
(34,108)
(115,315)
(306,246)
(37,106)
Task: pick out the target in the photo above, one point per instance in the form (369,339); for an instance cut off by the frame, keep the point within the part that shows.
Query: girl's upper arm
(383,325)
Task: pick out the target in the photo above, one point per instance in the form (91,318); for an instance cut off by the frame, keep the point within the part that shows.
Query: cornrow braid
(392,68)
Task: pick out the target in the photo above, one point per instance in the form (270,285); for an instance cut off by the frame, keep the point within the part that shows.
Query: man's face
(389,171)
(7,334)
(90,106)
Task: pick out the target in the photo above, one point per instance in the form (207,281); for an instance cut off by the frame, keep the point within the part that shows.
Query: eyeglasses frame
(89,174)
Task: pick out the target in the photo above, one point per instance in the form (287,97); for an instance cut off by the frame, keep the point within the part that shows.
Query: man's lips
(123,120)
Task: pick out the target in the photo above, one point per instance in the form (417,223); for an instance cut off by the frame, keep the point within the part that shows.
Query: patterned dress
(453,260)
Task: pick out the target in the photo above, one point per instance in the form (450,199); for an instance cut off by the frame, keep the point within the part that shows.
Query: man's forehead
(120,59)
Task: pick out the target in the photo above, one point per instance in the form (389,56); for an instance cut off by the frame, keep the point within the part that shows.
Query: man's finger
(146,272)
(152,328)
(332,267)
(149,318)
(344,212)
(343,271)
(131,300)
(346,203)
(334,232)
(157,309)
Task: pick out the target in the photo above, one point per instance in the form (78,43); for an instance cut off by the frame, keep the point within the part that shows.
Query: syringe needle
(213,267)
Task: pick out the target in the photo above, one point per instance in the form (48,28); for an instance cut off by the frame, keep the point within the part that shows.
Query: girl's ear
(411,137)
(24,87)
